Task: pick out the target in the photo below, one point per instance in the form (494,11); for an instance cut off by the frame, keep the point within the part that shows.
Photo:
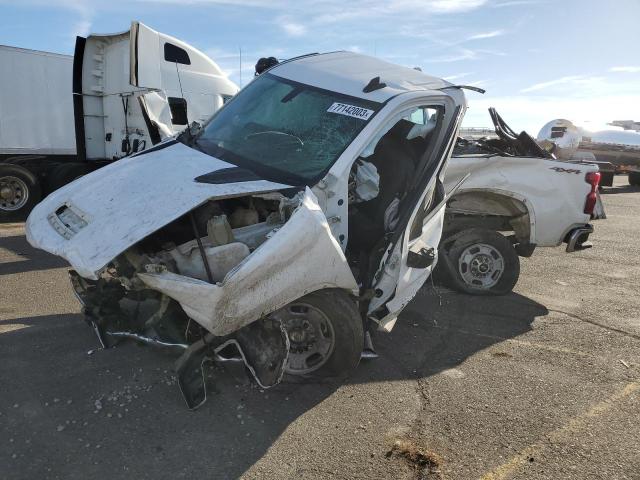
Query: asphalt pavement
(543,383)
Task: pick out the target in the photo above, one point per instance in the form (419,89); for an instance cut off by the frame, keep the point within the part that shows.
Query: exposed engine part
(221,259)
(241,217)
(219,231)
(255,235)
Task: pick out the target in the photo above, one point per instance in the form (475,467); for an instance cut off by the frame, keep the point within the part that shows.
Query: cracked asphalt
(540,384)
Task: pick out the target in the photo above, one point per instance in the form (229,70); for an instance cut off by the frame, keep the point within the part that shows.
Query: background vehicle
(616,151)
(64,116)
(517,198)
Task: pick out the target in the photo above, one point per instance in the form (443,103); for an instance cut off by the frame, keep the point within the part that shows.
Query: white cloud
(457,76)
(552,83)
(463,54)
(627,69)
(290,27)
(515,3)
(492,34)
(450,6)
(81,28)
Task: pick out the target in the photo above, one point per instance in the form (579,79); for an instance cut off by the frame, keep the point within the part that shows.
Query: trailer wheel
(20,191)
(481,262)
(65,173)
(634,179)
(325,334)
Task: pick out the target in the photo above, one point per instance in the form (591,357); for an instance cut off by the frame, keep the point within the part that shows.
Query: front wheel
(481,262)
(325,335)
(634,179)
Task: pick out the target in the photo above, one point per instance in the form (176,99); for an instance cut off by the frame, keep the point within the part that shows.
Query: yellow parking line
(521,458)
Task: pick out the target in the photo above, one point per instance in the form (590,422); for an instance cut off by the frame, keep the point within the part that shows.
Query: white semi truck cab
(119,94)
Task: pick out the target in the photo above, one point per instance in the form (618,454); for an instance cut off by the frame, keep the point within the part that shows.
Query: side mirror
(421,259)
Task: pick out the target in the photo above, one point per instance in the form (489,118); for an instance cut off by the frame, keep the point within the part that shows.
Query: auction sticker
(350,111)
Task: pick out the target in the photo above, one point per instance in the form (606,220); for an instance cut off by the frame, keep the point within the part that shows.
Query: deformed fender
(301,257)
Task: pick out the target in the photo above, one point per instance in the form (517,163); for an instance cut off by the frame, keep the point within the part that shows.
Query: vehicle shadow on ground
(125,400)
(31,259)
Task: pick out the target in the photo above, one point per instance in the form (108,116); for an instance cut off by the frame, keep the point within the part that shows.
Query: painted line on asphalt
(571,427)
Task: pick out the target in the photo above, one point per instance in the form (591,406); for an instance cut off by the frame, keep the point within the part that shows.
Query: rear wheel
(482,262)
(325,335)
(19,192)
(634,179)
(65,173)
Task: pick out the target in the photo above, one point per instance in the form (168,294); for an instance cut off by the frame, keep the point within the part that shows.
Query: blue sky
(538,59)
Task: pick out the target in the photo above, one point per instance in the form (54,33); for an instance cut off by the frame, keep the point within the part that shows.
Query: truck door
(145,57)
(413,254)
(418,248)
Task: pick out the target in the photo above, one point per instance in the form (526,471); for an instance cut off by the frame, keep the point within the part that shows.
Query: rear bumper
(577,238)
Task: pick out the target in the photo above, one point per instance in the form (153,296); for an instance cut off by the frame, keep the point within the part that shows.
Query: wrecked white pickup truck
(308,209)
(517,197)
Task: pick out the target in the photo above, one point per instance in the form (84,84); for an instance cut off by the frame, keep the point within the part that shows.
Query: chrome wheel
(481,266)
(14,193)
(311,337)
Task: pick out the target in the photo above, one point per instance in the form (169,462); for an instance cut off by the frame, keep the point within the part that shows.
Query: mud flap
(263,346)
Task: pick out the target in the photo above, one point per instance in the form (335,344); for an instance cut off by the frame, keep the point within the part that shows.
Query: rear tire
(20,191)
(65,173)
(481,262)
(325,333)
(634,179)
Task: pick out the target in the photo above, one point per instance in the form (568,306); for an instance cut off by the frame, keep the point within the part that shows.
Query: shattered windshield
(284,130)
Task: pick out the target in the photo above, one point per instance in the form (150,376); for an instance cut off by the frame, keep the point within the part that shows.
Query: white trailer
(36,107)
(63,116)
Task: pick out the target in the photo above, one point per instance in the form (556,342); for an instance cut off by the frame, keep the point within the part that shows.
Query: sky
(537,59)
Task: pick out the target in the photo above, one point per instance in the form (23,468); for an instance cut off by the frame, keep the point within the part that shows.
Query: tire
(472,252)
(331,315)
(20,191)
(65,173)
(634,179)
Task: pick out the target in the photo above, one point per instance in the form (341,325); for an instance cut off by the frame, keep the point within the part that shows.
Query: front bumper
(577,238)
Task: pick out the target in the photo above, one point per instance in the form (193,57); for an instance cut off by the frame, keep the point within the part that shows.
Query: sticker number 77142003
(350,111)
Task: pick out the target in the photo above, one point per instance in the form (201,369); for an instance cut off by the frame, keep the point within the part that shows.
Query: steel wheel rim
(481,266)
(14,193)
(311,337)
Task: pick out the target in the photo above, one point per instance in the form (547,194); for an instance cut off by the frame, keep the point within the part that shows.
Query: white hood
(97,217)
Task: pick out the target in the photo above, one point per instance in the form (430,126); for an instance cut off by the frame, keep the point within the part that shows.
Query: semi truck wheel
(325,334)
(65,173)
(481,262)
(634,179)
(20,191)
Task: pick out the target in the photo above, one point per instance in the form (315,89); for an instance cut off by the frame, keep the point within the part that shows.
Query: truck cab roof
(348,73)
